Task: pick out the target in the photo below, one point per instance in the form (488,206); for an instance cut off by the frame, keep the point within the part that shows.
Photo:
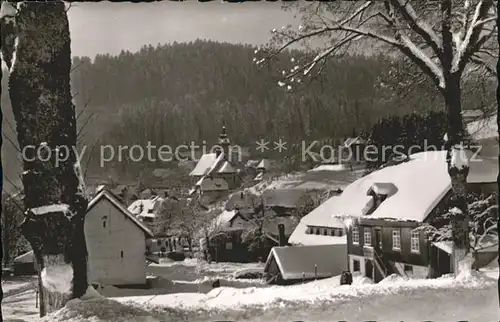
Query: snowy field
(470,298)
(310,180)
(189,276)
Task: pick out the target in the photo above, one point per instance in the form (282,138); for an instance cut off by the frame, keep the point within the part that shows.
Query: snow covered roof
(242,199)
(483,170)
(271,224)
(329,167)
(252,163)
(259,177)
(350,141)
(322,215)
(144,207)
(28,257)
(383,188)
(204,164)
(100,188)
(421,183)
(223,220)
(209,163)
(300,237)
(263,164)
(289,198)
(297,262)
(106,195)
(215,184)
(446,246)
(226,168)
(472,113)
(484,128)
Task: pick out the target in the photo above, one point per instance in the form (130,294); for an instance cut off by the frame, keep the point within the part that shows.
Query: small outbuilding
(287,265)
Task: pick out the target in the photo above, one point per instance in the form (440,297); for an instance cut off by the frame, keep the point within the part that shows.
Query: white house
(116,243)
(147,211)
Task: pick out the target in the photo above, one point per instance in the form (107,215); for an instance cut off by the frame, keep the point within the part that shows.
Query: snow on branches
(439,44)
(482,224)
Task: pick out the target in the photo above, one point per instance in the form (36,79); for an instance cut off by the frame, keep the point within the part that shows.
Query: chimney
(281,232)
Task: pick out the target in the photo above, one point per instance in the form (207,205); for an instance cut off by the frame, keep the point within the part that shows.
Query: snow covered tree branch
(482,232)
(441,38)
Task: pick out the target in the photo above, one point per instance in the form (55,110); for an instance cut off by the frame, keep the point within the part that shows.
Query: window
(104,221)
(415,242)
(356,265)
(332,232)
(355,235)
(317,231)
(121,254)
(229,245)
(158,242)
(325,231)
(408,269)
(367,237)
(396,239)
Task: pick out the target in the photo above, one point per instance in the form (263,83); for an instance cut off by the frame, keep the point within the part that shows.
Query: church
(214,174)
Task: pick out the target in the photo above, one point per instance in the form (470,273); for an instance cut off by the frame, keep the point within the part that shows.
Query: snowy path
(20,307)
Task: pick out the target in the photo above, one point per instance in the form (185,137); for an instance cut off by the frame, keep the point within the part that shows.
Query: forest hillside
(183,92)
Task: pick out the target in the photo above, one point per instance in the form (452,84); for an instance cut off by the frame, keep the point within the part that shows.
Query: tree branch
(421,28)
(471,43)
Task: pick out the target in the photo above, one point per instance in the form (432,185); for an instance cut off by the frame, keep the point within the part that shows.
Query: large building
(215,173)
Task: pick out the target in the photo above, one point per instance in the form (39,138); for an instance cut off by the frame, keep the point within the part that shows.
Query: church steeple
(224,142)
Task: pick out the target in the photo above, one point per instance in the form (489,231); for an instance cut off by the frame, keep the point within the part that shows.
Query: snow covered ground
(470,298)
(310,180)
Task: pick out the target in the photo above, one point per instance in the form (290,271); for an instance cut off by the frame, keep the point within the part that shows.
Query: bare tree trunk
(55,200)
(457,167)
(1,208)
(458,170)
(498,128)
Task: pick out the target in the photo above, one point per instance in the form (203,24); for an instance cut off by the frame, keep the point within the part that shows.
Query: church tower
(224,143)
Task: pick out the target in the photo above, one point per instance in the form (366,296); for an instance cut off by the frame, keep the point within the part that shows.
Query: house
(286,265)
(484,131)
(389,204)
(210,189)
(216,167)
(148,211)
(115,240)
(25,264)
(116,243)
(284,201)
(124,193)
(319,227)
(353,149)
(226,239)
(471,115)
(262,168)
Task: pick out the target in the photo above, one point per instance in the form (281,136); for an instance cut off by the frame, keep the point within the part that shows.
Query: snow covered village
(250,161)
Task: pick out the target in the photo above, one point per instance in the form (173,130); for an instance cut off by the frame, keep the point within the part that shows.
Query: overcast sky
(106,27)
